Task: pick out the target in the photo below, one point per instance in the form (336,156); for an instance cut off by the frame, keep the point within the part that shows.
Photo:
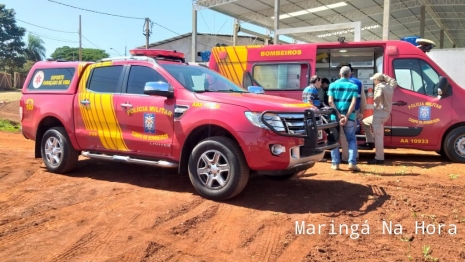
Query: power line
(45,27)
(52,38)
(130,17)
(90,41)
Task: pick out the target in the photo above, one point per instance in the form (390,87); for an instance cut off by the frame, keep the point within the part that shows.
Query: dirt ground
(105,211)
(9,105)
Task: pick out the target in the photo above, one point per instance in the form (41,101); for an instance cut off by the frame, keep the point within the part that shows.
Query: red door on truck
(95,120)
(418,113)
(146,121)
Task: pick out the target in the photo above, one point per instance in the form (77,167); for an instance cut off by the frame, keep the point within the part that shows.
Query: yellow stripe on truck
(234,65)
(102,116)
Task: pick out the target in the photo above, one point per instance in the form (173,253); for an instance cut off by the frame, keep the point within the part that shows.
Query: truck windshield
(200,79)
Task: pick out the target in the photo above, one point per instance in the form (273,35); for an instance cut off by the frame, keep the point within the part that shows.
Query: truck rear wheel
(454,145)
(217,168)
(58,154)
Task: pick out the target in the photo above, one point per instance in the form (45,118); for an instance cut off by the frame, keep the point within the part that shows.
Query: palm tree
(35,50)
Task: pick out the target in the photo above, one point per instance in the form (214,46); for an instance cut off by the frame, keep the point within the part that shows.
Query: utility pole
(80,39)
(147,32)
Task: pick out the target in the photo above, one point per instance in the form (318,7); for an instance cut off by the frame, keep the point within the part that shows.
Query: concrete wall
(204,43)
(452,61)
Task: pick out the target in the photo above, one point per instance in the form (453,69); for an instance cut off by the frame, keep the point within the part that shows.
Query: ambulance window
(105,79)
(139,75)
(416,75)
(281,76)
(247,80)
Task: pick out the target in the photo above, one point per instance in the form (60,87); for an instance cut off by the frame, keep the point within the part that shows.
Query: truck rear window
(51,79)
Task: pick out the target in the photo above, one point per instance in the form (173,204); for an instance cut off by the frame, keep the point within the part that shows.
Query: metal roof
(448,15)
(187,35)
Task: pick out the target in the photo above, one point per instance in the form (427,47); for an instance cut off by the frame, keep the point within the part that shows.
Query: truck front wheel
(58,154)
(454,145)
(217,168)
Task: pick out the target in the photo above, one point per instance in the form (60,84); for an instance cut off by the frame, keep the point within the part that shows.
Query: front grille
(295,123)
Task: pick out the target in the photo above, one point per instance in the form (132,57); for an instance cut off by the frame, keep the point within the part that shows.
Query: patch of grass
(10,126)
(427,254)
(453,176)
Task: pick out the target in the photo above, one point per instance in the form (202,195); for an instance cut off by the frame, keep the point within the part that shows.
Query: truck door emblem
(424,113)
(149,123)
(38,79)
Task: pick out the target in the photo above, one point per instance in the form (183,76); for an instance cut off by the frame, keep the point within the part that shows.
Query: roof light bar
(156,53)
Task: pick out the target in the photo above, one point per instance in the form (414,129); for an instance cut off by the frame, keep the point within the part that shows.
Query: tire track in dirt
(67,214)
(285,241)
(14,234)
(11,176)
(132,219)
(132,253)
(252,238)
(151,251)
(155,216)
(221,231)
(177,212)
(74,249)
(265,244)
(193,222)
(30,196)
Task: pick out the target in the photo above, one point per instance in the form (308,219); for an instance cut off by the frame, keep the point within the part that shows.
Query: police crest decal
(149,123)
(424,113)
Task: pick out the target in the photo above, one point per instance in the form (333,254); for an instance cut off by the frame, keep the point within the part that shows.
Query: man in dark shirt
(323,91)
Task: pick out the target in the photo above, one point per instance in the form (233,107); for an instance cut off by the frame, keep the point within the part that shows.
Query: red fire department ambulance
(422,117)
(155,109)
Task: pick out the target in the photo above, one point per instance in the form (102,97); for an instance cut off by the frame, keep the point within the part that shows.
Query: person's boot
(367,146)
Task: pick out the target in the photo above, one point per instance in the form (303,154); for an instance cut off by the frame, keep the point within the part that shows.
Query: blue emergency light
(411,39)
(205,55)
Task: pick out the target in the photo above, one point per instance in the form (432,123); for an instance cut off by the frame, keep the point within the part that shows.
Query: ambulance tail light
(21,104)
(159,54)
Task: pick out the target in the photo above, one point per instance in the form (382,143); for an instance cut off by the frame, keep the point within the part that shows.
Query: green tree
(11,44)
(35,50)
(72,54)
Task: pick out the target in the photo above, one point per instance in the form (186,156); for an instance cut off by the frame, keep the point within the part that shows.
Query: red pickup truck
(153,108)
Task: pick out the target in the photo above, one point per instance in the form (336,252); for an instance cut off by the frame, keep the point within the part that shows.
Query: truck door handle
(85,102)
(399,103)
(126,105)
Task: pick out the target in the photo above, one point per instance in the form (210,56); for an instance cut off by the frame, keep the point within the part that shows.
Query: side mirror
(159,89)
(256,89)
(443,84)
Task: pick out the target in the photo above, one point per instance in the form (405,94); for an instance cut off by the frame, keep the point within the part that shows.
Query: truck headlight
(272,119)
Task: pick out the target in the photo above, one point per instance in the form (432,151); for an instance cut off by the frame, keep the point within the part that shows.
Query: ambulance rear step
(129,159)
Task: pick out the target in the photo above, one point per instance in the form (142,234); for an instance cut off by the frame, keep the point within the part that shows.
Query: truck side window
(105,79)
(139,75)
(281,76)
(416,75)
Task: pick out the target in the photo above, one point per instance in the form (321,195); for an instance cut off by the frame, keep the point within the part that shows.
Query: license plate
(320,134)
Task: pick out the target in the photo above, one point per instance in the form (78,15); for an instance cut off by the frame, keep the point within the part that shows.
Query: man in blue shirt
(342,95)
(310,93)
(359,109)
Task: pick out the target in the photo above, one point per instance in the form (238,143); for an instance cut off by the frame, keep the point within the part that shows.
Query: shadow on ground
(294,196)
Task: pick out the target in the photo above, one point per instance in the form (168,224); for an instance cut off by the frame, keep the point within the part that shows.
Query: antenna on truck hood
(423,44)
